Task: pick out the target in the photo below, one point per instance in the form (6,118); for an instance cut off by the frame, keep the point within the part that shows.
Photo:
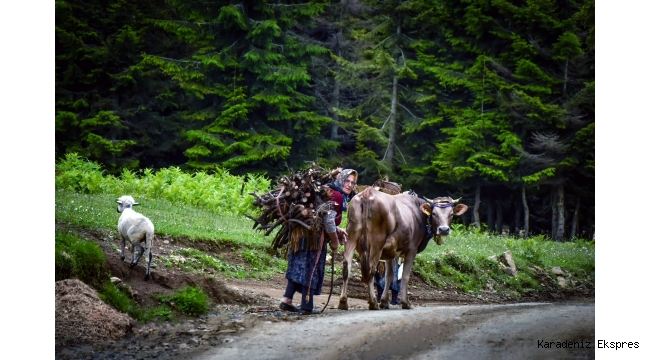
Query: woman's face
(348,184)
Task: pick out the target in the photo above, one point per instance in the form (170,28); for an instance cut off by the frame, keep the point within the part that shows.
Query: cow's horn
(456,201)
(429,201)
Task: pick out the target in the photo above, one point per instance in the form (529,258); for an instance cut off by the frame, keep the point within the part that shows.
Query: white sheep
(136,228)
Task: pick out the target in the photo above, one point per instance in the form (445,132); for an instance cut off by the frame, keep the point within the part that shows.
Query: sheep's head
(125,202)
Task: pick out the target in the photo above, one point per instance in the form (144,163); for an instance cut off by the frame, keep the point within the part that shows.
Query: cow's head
(440,211)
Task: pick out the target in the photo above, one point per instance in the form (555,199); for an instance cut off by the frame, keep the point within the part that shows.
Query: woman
(308,249)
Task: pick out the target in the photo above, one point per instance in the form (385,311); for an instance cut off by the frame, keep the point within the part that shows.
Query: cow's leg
(406,274)
(372,301)
(347,270)
(389,277)
(374,260)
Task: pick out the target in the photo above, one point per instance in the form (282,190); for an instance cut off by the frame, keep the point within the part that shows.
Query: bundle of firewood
(300,199)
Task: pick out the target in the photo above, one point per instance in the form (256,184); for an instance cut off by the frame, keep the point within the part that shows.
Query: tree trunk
(553,213)
(514,229)
(391,124)
(566,77)
(575,222)
(477,203)
(393,115)
(334,135)
(499,217)
(559,235)
(524,203)
(490,215)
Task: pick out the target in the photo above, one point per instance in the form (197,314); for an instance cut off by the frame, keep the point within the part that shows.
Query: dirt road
(515,331)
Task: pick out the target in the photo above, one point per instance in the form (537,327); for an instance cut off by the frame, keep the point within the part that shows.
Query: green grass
(190,301)
(464,261)
(98,211)
(114,296)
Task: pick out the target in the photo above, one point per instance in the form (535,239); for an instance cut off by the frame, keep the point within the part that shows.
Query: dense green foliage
(77,258)
(219,192)
(444,96)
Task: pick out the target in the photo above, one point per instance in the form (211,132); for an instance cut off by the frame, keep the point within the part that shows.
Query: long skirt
(301,265)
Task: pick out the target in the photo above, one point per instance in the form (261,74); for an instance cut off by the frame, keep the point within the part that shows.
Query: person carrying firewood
(308,248)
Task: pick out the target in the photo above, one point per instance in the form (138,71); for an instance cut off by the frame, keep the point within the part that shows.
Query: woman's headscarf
(338,186)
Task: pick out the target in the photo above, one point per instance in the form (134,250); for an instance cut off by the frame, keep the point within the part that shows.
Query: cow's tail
(366,271)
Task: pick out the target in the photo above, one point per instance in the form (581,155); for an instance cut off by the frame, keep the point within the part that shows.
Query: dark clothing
(301,263)
(380,279)
(337,197)
(292,288)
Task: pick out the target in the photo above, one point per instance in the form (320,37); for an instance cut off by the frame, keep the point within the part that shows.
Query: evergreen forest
(489,100)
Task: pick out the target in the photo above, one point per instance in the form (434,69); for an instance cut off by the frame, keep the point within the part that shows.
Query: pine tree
(107,108)
(379,73)
(248,73)
(498,78)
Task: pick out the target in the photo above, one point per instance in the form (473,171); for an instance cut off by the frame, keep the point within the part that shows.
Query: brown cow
(382,226)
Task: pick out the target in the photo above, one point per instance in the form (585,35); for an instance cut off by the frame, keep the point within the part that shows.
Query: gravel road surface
(515,331)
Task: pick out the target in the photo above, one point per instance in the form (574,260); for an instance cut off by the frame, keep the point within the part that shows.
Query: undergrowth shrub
(75,173)
(220,191)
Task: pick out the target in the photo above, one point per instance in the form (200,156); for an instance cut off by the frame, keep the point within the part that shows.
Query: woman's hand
(343,236)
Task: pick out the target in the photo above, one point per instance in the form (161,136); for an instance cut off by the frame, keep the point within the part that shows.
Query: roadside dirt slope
(240,305)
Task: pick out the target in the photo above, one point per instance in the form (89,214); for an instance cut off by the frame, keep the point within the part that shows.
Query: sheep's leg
(136,260)
(148,244)
(146,276)
(123,244)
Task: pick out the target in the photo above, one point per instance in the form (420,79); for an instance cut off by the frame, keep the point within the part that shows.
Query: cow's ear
(460,209)
(426,208)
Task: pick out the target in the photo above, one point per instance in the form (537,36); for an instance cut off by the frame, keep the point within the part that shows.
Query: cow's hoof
(373,306)
(123,257)
(384,304)
(146,277)
(406,305)
(131,265)
(343,304)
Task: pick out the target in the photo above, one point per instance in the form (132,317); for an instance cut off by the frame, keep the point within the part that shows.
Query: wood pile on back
(300,199)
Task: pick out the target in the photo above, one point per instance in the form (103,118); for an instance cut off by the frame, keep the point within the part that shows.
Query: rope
(320,248)
(442,205)
(331,286)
